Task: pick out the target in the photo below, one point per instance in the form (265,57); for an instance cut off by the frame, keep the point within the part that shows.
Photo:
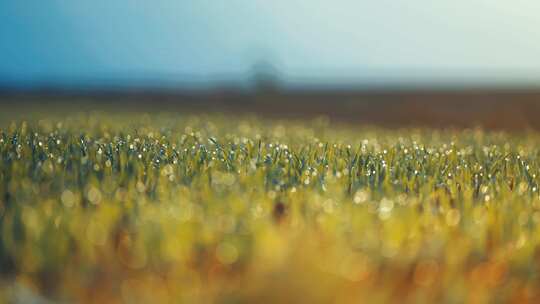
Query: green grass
(220,209)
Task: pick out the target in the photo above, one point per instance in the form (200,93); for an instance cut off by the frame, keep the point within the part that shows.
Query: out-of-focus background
(452,63)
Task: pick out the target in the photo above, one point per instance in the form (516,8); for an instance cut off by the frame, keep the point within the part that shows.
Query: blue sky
(310,42)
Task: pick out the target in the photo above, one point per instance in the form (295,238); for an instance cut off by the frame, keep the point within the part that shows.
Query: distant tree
(264,77)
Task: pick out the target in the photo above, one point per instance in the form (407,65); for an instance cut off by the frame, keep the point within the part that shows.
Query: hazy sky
(379,41)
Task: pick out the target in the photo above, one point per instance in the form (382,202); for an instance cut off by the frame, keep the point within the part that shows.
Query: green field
(170,208)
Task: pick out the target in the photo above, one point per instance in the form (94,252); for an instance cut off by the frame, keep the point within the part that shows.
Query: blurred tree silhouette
(264,77)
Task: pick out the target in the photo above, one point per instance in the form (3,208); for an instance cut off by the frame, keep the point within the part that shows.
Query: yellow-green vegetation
(164,208)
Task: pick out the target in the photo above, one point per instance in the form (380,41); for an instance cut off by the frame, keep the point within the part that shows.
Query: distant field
(135,208)
(494,109)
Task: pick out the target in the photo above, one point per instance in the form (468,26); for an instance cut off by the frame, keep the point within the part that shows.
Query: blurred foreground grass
(135,208)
